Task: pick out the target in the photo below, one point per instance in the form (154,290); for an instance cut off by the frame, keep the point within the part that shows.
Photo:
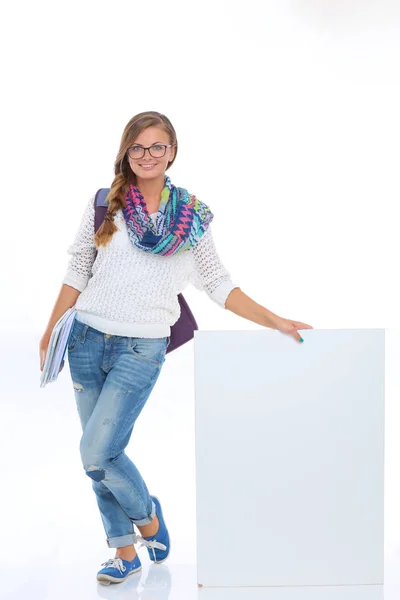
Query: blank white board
(289,457)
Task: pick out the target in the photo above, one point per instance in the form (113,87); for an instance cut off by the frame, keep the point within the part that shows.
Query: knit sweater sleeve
(82,251)
(209,274)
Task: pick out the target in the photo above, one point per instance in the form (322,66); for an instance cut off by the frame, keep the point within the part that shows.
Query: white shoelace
(115,562)
(149,543)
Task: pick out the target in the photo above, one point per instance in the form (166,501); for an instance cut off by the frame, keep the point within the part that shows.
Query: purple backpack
(183,330)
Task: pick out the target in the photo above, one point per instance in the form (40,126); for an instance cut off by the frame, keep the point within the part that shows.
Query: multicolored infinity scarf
(181,220)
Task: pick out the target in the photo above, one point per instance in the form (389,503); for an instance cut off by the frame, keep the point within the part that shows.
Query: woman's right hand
(66,299)
(43,345)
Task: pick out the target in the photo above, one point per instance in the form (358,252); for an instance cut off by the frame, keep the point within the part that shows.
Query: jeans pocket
(73,339)
(148,349)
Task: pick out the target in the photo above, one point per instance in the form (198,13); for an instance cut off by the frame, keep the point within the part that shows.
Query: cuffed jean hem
(121,541)
(126,540)
(148,519)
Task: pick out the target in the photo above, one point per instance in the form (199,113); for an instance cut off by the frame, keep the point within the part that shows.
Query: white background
(288,127)
(288,124)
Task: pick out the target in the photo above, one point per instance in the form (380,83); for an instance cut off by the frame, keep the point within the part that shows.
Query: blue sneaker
(117,570)
(158,545)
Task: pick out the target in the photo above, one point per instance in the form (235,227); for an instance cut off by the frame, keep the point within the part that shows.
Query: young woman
(124,282)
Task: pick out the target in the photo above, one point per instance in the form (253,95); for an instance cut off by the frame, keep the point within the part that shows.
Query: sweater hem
(145,330)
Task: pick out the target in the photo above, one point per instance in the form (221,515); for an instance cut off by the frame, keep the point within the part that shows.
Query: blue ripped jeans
(113,377)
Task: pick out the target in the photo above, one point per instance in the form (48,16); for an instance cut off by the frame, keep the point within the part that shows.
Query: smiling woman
(125,281)
(148,149)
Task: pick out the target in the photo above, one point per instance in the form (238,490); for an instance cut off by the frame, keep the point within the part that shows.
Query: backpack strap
(100,207)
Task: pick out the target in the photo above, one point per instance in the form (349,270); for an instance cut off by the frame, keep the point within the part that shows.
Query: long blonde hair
(123,172)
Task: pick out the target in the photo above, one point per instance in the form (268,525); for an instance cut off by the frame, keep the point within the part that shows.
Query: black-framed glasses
(156,151)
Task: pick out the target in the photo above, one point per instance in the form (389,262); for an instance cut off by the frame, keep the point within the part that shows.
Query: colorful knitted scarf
(181,220)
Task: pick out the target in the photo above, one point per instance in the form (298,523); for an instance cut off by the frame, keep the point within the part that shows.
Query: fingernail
(301,339)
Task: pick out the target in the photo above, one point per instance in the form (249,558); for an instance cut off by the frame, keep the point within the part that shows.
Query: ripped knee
(78,386)
(95,473)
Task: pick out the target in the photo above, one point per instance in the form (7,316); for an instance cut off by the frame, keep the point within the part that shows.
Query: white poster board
(290,457)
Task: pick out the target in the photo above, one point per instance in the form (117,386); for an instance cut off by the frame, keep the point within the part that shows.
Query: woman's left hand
(290,327)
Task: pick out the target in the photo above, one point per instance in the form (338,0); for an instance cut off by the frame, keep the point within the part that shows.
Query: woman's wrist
(270,318)
(47,334)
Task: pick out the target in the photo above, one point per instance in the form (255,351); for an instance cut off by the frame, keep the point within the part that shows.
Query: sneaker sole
(158,562)
(107,579)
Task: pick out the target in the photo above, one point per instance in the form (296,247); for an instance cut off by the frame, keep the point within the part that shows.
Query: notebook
(57,347)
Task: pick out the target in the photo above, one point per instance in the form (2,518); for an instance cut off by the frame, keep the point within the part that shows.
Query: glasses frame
(148,148)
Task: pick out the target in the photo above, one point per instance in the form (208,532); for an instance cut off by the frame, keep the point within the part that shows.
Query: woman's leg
(88,378)
(132,367)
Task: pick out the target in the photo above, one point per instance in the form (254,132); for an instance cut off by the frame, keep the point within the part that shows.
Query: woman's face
(151,136)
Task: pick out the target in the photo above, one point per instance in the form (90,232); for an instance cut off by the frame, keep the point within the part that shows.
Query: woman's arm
(247,308)
(212,276)
(209,274)
(66,298)
(242,305)
(83,253)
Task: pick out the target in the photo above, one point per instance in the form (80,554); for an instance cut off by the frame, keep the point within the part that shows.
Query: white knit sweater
(130,292)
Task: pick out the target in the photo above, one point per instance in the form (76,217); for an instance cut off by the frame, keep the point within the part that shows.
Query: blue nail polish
(301,339)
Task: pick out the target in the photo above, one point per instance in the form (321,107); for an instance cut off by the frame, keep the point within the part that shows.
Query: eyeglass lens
(138,152)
